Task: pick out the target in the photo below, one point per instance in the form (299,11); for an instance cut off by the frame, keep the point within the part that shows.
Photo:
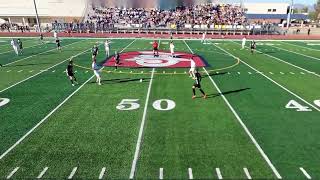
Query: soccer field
(261,119)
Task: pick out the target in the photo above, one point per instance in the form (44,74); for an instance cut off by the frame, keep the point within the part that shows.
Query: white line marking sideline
(272,80)
(219,173)
(102,173)
(161,173)
(298,53)
(42,172)
(139,141)
(190,173)
(73,172)
(275,171)
(305,173)
(39,54)
(246,171)
(23,48)
(301,46)
(45,118)
(13,172)
(43,71)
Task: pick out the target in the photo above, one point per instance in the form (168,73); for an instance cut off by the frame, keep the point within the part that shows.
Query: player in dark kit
(20,46)
(253,46)
(58,44)
(70,72)
(155,46)
(197,84)
(95,51)
(117,59)
(41,38)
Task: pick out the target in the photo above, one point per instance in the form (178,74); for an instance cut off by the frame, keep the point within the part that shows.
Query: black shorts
(94,54)
(20,47)
(70,74)
(58,45)
(155,49)
(197,85)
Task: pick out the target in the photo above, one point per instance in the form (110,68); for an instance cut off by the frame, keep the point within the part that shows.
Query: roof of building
(276,16)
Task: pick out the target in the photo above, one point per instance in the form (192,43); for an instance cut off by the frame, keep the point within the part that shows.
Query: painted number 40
(295,105)
(133,104)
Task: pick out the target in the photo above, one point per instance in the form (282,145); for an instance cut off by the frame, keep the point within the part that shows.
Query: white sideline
(190,173)
(23,48)
(102,173)
(287,63)
(301,46)
(138,145)
(219,173)
(161,173)
(246,171)
(39,54)
(45,118)
(43,71)
(73,172)
(267,77)
(13,172)
(275,171)
(318,59)
(305,173)
(42,172)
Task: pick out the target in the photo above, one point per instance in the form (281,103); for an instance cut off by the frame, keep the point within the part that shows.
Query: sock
(202,92)
(71,81)
(193,91)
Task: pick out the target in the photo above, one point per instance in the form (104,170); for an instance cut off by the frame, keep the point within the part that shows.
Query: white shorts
(172,51)
(96,72)
(107,49)
(192,69)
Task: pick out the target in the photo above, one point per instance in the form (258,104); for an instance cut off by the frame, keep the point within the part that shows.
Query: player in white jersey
(203,37)
(55,34)
(192,68)
(107,47)
(172,48)
(243,45)
(14,45)
(96,72)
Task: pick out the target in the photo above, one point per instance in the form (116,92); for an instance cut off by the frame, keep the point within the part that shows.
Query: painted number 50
(133,104)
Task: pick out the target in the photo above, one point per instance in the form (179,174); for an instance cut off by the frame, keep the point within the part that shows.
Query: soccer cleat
(72,84)
(193,97)
(99,84)
(205,97)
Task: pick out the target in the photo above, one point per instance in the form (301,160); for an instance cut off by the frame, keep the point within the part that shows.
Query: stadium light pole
(37,16)
(289,15)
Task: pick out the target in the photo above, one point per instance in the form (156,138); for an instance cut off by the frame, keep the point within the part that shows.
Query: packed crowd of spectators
(208,14)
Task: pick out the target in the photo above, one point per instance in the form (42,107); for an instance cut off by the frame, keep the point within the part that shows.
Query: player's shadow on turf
(215,74)
(269,52)
(227,92)
(123,80)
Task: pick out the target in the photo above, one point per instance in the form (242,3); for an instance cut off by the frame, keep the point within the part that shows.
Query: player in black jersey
(117,59)
(58,44)
(197,84)
(20,46)
(41,38)
(253,46)
(70,72)
(95,51)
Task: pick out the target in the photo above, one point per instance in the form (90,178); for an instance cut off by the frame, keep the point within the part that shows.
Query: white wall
(74,8)
(262,8)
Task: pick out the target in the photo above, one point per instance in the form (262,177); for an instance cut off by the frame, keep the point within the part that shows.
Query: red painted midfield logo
(146,59)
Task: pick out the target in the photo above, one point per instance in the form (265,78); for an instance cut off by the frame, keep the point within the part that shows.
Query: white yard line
(161,173)
(246,171)
(305,173)
(23,48)
(42,172)
(54,49)
(281,60)
(139,141)
(301,46)
(318,59)
(73,172)
(190,173)
(102,173)
(270,79)
(43,71)
(45,118)
(219,175)
(13,172)
(266,158)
